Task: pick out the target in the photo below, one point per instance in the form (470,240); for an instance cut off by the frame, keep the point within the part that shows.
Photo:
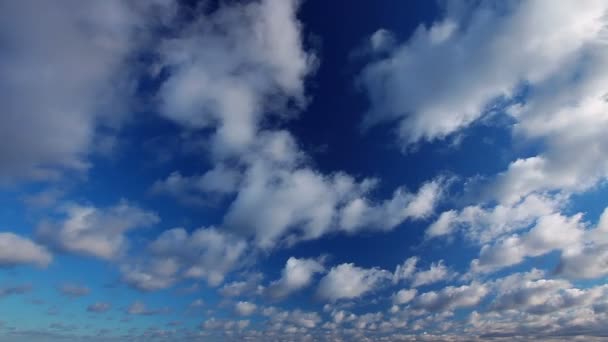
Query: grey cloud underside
(61,90)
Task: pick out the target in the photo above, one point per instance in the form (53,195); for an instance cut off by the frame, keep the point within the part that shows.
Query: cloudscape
(303,170)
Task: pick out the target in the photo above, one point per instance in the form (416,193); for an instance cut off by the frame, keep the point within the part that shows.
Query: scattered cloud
(347,281)
(16,250)
(95,232)
(296,275)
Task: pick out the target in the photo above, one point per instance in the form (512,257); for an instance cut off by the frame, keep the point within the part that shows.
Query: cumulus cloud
(296,275)
(245,308)
(250,285)
(408,271)
(285,321)
(347,281)
(404,296)
(16,250)
(552,232)
(96,232)
(437,272)
(494,50)
(451,298)
(527,304)
(228,326)
(589,258)
(481,224)
(360,214)
(282,200)
(206,253)
(230,67)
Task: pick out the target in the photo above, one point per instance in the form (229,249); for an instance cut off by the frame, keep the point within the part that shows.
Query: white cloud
(493,49)
(96,232)
(249,286)
(282,320)
(589,259)
(451,298)
(282,200)
(437,272)
(382,41)
(156,274)
(206,253)
(296,275)
(404,296)
(408,272)
(347,281)
(482,225)
(231,67)
(16,250)
(245,308)
(552,232)
(360,214)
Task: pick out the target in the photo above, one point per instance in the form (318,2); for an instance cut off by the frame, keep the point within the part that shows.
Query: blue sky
(303,170)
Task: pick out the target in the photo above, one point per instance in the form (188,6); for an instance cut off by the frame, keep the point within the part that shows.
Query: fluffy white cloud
(589,259)
(404,296)
(347,281)
(206,253)
(227,325)
(437,272)
(482,225)
(493,49)
(283,200)
(286,320)
(61,90)
(552,232)
(296,275)
(408,272)
(360,214)
(16,250)
(245,308)
(275,202)
(229,68)
(249,286)
(451,298)
(96,232)
(526,303)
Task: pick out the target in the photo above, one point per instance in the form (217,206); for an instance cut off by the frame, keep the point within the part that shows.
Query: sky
(303,170)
